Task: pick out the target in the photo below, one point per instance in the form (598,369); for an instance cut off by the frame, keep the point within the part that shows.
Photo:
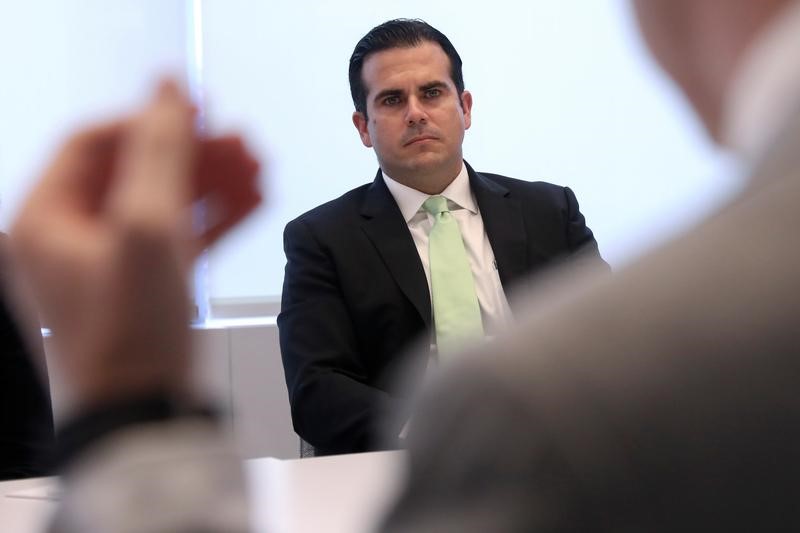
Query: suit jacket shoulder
(333,210)
(532,225)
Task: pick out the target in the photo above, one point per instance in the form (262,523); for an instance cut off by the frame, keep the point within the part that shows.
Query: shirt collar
(410,200)
(764,87)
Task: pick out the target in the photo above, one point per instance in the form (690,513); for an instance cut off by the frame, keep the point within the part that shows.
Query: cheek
(380,131)
(374,126)
(455,122)
(373,131)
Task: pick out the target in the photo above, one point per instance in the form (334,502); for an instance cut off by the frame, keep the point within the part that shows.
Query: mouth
(420,139)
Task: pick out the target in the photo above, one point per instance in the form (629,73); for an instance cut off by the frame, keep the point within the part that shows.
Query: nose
(415,112)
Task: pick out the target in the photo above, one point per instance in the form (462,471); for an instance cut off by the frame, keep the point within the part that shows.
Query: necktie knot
(436,205)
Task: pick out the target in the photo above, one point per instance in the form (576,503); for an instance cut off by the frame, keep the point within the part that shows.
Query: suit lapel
(504,225)
(385,227)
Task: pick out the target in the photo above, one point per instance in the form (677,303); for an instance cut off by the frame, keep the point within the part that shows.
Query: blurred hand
(105,243)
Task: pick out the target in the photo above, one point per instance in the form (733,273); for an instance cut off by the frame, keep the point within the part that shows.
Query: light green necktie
(456,312)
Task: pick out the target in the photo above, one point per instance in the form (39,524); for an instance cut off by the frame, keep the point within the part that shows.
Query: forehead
(400,67)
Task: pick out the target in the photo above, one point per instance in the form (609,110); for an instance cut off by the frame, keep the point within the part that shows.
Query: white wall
(65,63)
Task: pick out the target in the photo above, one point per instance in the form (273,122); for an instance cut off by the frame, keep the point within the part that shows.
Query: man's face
(416,120)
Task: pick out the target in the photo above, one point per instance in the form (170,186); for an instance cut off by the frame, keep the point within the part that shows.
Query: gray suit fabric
(663,398)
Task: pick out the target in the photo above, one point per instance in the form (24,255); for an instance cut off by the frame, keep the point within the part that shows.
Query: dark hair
(398,33)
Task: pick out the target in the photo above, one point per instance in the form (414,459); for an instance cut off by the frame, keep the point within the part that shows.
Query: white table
(344,493)
(23,513)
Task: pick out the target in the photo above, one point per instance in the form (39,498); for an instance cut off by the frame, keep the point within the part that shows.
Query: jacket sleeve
(580,239)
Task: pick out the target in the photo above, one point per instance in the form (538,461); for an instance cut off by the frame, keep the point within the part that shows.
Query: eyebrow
(433,85)
(387,92)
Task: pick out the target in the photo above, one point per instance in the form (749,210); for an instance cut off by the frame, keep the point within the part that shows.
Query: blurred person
(363,282)
(664,398)
(105,243)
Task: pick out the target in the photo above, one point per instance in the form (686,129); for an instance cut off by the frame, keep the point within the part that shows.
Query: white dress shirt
(764,89)
(495,312)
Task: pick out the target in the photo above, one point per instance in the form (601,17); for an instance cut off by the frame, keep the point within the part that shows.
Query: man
(105,243)
(664,399)
(362,280)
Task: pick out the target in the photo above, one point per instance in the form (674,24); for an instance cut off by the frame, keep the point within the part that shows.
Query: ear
(466,106)
(360,122)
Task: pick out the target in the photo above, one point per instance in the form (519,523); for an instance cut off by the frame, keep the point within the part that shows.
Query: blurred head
(411,106)
(700,43)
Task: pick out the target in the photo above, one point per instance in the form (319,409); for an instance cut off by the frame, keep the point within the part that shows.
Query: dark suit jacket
(355,295)
(26,419)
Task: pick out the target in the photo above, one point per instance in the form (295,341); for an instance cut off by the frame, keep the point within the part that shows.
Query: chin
(428,166)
